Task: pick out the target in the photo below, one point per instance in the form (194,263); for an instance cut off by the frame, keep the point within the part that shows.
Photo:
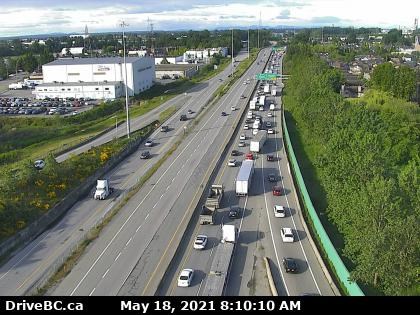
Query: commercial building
(96,78)
(175,71)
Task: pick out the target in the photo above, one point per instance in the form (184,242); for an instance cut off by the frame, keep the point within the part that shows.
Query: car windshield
(183,278)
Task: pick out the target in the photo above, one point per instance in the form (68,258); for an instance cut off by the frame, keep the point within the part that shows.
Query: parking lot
(48,107)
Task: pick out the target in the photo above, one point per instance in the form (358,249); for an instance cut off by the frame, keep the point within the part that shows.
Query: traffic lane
(113,249)
(208,133)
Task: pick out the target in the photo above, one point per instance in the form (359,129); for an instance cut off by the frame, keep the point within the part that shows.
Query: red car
(277,191)
(249,156)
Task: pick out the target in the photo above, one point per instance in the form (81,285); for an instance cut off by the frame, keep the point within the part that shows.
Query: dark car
(223,114)
(234,212)
(270,157)
(235,153)
(243,96)
(277,191)
(248,121)
(271,178)
(145,155)
(183,118)
(164,128)
(290,265)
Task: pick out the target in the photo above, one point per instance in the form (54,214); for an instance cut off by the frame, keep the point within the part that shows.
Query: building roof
(89,61)
(174,67)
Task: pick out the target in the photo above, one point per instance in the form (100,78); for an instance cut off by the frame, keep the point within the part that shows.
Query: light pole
(126,81)
(248,42)
(232,52)
(116,126)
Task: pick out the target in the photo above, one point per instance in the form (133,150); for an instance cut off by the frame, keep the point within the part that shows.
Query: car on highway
(270,131)
(234,212)
(200,242)
(231,162)
(287,235)
(224,114)
(185,277)
(39,164)
(145,155)
(261,108)
(242,137)
(243,96)
(235,153)
(268,124)
(190,112)
(272,178)
(232,108)
(277,191)
(248,120)
(246,126)
(270,157)
(241,144)
(149,143)
(279,211)
(289,265)
(249,156)
(220,80)
(254,132)
(183,117)
(269,114)
(164,128)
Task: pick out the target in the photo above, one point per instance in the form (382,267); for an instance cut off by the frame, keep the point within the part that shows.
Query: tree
(29,62)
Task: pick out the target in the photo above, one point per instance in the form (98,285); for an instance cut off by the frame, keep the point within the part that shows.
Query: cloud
(325,20)
(284,15)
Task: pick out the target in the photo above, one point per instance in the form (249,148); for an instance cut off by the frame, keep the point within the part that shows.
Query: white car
(261,109)
(246,126)
(185,278)
(270,131)
(287,235)
(231,162)
(241,144)
(39,164)
(242,137)
(279,211)
(149,143)
(254,132)
(232,108)
(269,114)
(200,242)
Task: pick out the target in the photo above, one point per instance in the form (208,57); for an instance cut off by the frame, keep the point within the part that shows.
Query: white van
(249,115)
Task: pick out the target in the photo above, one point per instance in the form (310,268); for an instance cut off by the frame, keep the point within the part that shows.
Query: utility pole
(259,25)
(123,24)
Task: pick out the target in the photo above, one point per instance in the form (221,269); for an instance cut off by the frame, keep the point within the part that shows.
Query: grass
(163,116)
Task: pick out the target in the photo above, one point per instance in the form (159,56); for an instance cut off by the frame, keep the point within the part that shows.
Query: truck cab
(103,189)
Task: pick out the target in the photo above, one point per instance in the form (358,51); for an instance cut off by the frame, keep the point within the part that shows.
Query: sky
(31,17)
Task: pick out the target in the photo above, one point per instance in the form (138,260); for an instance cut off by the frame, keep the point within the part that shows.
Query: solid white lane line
(271,230)
(105,273)
(293,220)
(91,292)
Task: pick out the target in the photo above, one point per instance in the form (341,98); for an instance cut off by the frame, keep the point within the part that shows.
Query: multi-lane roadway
(30,264)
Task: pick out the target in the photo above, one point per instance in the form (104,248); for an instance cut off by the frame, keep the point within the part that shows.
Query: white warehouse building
(96,78)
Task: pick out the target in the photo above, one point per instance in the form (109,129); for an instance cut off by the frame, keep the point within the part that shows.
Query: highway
(259,230)
(30,263)
(126,257)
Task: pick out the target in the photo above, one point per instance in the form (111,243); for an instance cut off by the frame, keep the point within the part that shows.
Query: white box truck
(102,189)
(267,88)
(274,92)
(228,233)
(243,180)
(252,104)
(258,142)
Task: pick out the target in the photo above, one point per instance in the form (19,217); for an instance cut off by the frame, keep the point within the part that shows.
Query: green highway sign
(266,76)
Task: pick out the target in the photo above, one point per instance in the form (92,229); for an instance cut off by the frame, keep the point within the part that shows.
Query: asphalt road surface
(29,264)
(124,259)
(259,231)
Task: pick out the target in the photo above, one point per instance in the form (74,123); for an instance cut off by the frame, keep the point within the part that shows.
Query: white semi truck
(243,180)
(219,270)
(103,190)
(258,142)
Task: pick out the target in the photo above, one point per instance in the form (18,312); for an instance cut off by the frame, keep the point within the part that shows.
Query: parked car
(200,242)
(279,211)
(287,235)
(145,155)
(185,278)
(290,265)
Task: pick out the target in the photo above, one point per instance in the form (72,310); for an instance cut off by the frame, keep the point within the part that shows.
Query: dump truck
(212,203)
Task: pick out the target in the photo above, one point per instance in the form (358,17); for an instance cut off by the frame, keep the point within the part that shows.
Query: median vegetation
(360,160)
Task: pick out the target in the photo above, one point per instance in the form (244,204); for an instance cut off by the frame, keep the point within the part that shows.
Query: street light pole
(248,42)
(126,81)
(232,52)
